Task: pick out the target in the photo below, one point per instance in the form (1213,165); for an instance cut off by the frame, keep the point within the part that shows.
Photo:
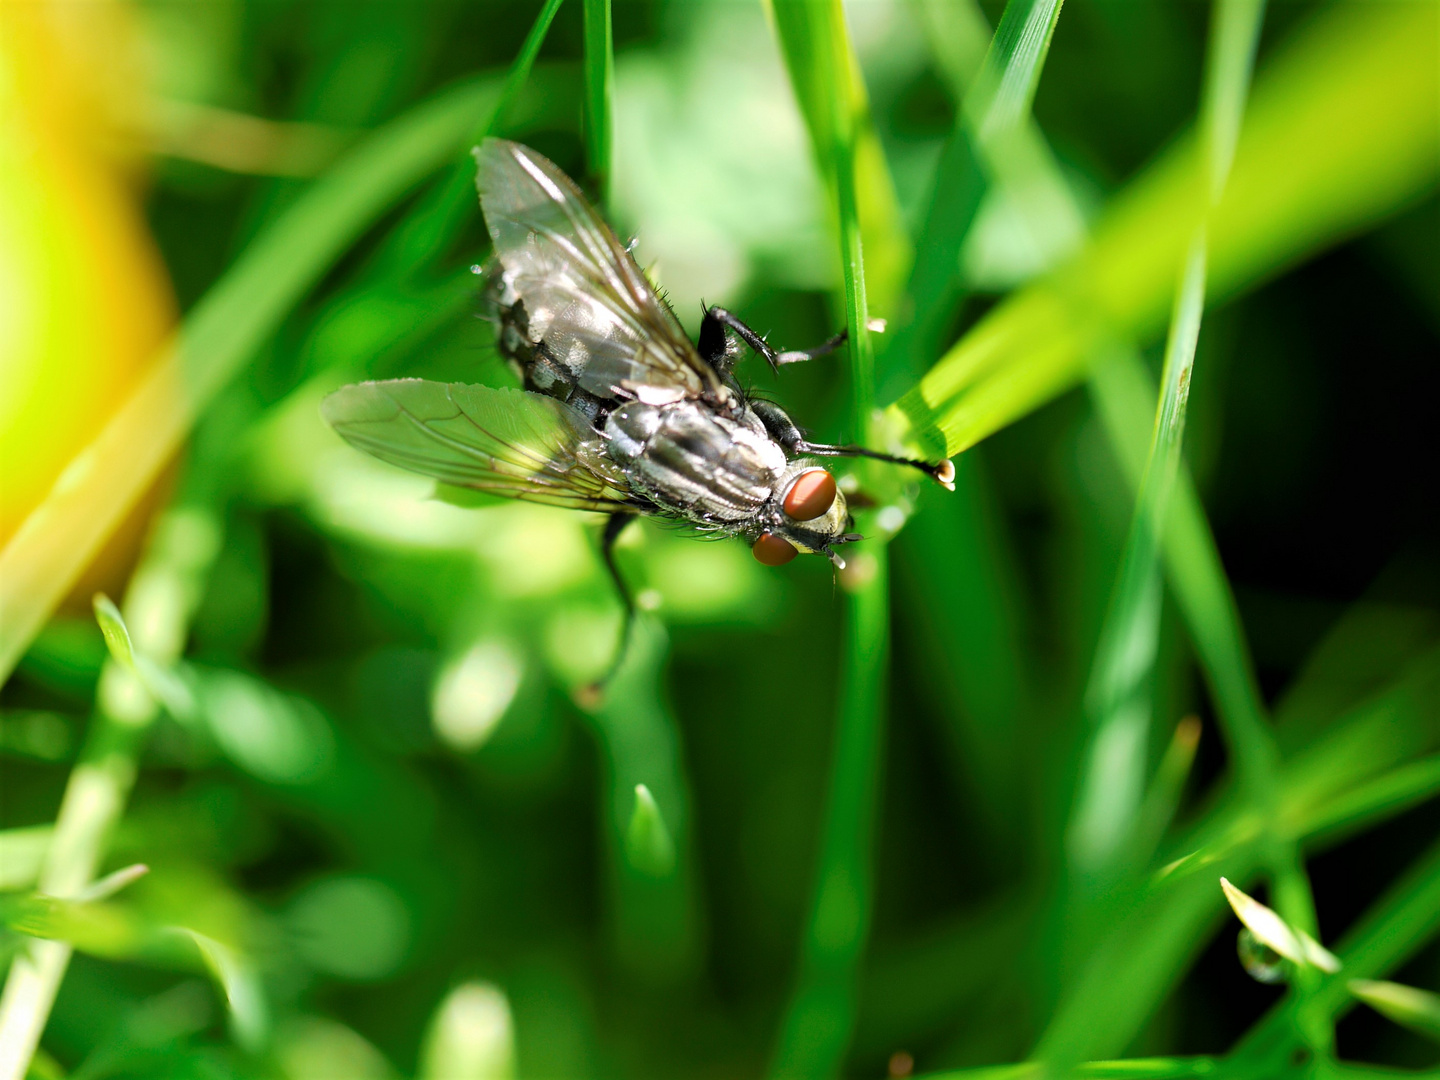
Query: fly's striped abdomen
(535,362)
(705,467)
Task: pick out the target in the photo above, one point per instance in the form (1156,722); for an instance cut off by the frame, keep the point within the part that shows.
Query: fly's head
(806,514)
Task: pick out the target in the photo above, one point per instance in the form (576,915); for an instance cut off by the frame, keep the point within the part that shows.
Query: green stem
(817,1027)
(820,1016)
(415,240)
(158,604)
(1117,700)
(599,92)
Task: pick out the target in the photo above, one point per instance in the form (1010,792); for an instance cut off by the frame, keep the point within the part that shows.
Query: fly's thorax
(694,462)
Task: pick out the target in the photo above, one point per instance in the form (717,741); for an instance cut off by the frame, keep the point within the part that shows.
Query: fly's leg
(785,431)
(713,344)
(778,423)
(942,472)
(614,526)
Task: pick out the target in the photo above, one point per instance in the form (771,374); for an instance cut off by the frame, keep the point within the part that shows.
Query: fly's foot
(944,473)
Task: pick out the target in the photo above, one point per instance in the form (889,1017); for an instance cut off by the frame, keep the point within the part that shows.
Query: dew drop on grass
(1260,961)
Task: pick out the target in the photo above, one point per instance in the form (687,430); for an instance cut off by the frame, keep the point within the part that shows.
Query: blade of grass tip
(222,333)
(1162,798)
(1394,928)
(599,92)
(820,1017)
(239,984)
(648,845)
(1145,954)
(159,602)
(655,903)
(1409,1006)
(1117,698)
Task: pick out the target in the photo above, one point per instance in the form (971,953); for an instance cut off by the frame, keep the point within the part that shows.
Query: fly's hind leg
(614,526)
(785,431)
(714,345)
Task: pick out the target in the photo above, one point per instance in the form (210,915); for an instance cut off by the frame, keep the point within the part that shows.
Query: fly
(621,413)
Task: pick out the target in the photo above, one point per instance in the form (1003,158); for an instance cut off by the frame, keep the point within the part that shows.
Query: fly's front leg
(778,423)
(942,472)
(714,343)
(785,431)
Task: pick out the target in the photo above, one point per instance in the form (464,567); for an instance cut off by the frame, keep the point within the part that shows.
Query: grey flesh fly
(621,413)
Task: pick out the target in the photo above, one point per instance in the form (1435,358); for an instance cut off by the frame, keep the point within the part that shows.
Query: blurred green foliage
(386,837)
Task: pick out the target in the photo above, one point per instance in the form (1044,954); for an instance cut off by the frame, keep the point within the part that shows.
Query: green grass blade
(415,240)
(1385,796)
(655,927)
(117,635)
(599,92)
(799,25)
(1203,595)
(1123,393)
(1176,1068)
(820,1016)
(993,142)
(159,603)
(1117,699)
(1419,1010)
(648,845)
(1396,926)
(1011,72)
(240,985)
(1304,177)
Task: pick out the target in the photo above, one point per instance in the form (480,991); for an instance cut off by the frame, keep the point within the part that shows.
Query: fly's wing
(584,294)
(503,442)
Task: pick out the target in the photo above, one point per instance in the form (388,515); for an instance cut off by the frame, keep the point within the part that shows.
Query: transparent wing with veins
(584,294)
(509,443)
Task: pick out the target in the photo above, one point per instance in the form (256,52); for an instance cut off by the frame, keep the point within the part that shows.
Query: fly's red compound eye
(773,550)
(812,495)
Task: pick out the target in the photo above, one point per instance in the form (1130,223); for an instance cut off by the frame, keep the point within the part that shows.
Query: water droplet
(1260,961)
